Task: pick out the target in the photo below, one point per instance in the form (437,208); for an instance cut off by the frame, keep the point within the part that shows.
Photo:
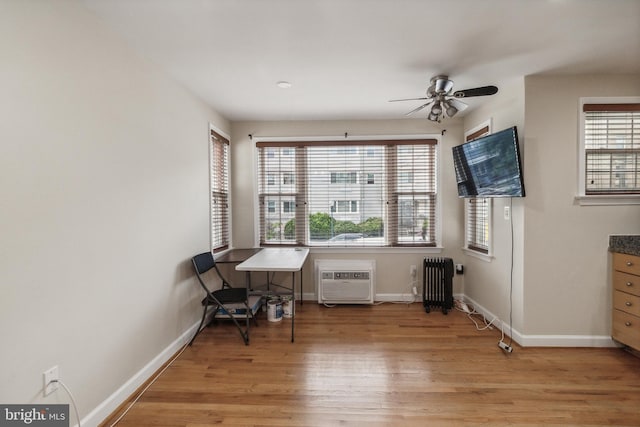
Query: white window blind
(364,193)
(612,149)
(478,224)
(219,185)
(477,212)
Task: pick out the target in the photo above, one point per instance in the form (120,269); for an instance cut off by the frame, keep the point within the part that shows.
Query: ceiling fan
(443,102)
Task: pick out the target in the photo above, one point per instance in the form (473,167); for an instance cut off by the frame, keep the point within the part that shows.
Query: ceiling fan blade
(408,99)
(419,108)
(478,91)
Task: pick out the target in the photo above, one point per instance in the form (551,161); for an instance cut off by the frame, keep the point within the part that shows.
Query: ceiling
(346,58)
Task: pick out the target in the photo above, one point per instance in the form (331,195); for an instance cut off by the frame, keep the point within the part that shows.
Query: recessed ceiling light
(283,85)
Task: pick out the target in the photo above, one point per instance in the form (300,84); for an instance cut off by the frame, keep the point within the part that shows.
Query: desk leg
(249,288)
(293,301)
(301,291)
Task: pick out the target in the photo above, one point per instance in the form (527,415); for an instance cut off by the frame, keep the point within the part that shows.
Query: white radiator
(345,281)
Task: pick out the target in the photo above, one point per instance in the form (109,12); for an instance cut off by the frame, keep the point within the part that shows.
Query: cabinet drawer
(626,302)
(626,282)
(625,328)
(626,263)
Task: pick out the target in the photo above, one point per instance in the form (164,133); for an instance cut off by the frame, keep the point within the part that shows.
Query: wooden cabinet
(625,327)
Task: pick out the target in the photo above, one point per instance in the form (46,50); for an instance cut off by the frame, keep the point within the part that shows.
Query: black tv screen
(489,166)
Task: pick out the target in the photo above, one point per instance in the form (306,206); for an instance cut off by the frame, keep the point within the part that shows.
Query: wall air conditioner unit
(345,281)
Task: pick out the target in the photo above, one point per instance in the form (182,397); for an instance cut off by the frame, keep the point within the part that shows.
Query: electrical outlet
(507,212)
(49,379)
(412,270)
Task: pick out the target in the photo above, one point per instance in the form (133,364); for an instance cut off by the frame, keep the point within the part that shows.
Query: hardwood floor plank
(386,365)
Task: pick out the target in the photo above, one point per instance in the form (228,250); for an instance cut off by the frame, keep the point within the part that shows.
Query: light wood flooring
(386,365)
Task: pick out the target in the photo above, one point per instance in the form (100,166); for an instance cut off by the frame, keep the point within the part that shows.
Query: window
(393,204)
(610,148)
(370,178)
(343,178)
(288,178)
(288,206)
(477,224)
(219,187)
(477,210)
(342,206)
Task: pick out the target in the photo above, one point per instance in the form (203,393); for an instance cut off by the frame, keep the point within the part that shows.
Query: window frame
(376,139)
(219,238)
(470,248)
(582,198)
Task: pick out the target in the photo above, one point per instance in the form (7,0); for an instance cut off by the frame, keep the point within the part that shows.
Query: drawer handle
(628,304)
(627,323)
(629,263)
(629,284)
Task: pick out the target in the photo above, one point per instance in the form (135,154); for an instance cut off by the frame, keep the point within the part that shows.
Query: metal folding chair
(221,299)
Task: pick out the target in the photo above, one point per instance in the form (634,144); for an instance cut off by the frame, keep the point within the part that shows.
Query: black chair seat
(226,296)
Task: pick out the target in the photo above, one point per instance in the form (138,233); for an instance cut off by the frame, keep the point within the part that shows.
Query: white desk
(278,259)
(275,259)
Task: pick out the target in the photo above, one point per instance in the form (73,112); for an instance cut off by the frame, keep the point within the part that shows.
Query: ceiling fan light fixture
(450,109)
(433,117)
(437,108)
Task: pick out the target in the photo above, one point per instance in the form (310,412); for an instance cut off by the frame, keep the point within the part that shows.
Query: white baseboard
(520,338)
(543,340)
(107,407)
(405,297)
(568,341)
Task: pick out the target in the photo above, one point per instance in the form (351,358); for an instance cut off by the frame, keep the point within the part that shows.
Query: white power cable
(73,401)
(460,306)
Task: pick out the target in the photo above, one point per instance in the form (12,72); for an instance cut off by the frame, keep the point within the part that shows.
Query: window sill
(376,250)
(631,199)
(478,255)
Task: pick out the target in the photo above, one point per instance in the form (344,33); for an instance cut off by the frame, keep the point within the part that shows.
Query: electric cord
(471,312)
(411,285)
(73,401)
(135,400)
(510,280)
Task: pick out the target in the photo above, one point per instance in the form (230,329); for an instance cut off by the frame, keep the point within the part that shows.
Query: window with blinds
(363,193)
(478,211)
(219,187)
(611,149)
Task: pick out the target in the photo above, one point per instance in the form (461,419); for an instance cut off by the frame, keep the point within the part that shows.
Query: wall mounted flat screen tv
(489,166)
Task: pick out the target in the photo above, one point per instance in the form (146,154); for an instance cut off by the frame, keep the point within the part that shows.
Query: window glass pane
(478,224)
(348,195)
(341,209)
(219,188)
(612,147)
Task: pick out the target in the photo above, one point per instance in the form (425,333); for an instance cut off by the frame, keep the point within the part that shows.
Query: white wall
(567,284)
(393,277)
(104,183)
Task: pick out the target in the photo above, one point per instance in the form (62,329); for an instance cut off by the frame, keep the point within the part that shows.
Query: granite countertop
(629,244)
